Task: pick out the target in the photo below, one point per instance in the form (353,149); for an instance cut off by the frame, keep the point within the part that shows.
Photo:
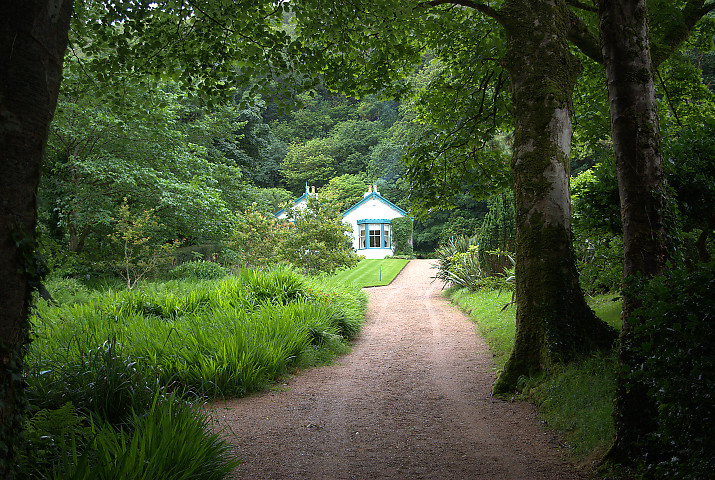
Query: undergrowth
(110,373)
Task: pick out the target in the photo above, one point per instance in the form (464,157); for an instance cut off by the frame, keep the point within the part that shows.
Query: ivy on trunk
(33,38)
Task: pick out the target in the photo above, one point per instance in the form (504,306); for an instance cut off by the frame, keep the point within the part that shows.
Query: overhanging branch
(478,6)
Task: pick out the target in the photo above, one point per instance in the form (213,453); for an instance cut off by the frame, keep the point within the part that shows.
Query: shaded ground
(411,401)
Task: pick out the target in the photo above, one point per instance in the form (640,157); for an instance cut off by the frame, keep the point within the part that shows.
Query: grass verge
(371,272)
(576,400)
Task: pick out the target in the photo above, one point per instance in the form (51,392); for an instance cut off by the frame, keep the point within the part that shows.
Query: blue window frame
(374,233)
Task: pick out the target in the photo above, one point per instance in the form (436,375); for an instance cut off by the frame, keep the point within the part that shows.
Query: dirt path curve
(411,401)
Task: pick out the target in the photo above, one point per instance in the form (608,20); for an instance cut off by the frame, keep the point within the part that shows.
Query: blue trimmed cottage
(370,218)
(299,202)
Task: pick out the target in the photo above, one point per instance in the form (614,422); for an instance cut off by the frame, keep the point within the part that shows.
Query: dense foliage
(674,356)
(402,230)
(497,237)
(110,372)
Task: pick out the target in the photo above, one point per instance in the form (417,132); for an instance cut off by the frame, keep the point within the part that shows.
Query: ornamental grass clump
(171,439)
(458,263)
(278,285)
(125,358)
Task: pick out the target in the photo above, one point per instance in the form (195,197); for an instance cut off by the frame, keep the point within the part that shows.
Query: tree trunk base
(586,334)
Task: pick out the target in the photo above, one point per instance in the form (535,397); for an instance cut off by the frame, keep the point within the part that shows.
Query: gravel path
(411,401)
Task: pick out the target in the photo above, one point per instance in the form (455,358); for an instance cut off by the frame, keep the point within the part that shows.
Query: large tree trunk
(634,126)
(33,39)
(553,322)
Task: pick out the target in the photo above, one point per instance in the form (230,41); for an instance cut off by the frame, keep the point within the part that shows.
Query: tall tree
(553,321)
(33,38)
(630,64)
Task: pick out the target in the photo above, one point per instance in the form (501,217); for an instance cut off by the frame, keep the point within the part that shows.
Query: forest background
(200,166)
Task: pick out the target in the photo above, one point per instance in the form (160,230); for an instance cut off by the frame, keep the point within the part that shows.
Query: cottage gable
(298,203)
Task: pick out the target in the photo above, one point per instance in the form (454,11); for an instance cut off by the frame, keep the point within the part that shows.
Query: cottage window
(375,231)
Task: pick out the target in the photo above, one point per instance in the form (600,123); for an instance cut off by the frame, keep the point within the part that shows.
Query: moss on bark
(553,321)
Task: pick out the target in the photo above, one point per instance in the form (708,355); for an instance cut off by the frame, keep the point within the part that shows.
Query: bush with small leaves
(673,356)
(199,270)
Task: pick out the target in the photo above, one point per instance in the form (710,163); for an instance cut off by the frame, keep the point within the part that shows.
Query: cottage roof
(297,200)
(376,196)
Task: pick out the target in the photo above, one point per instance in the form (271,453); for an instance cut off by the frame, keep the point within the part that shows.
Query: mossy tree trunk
(634,126)
(33,38)
(553,322)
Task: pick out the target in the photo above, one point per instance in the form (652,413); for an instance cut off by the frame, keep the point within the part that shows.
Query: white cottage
(298,203)
(371,220)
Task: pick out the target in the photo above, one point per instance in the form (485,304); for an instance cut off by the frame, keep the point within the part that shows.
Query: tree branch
(586,41)
(582,6)
(480,7)
(679,30)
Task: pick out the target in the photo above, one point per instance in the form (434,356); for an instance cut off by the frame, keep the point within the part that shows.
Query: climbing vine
(402,235)
(13,350)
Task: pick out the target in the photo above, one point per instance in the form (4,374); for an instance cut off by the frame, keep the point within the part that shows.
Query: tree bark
(634,125)
(77,239)
(33,39)
(553,321)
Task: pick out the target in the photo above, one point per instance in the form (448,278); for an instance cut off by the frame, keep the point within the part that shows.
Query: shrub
(255,238)
(600,262)
(316,241)
(465,270)
(402,236)
(142,251)
(205,251)
(458,263)
(199,270)
(674,357)
(497,235)
(596,224)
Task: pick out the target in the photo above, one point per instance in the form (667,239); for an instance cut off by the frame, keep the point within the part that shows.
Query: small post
(381,272)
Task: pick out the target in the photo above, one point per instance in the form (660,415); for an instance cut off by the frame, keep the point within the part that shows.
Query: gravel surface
(411,401)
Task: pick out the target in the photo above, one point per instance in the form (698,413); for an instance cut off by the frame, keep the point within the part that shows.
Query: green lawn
(371,273)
